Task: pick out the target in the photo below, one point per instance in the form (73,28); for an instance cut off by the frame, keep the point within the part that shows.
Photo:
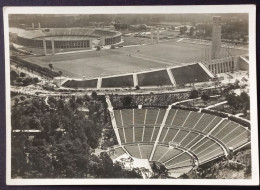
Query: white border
(250,9)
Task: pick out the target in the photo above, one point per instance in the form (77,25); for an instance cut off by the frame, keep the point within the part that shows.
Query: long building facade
(67,38)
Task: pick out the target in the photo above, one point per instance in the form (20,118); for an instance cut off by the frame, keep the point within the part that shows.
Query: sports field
(127,59)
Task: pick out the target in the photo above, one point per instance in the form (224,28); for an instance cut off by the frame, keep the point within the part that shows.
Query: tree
(183,29)
(94,94)
(233,100)
(22,74)
(51,66)
(127,100)
(194,94)
(205,97)
(16,101)
(13,76)
(27,81)
(137,87)
(35,80)
(22,98)
(192,30)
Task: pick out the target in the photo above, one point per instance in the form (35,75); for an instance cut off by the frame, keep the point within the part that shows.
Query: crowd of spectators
(157,100)
(150,99)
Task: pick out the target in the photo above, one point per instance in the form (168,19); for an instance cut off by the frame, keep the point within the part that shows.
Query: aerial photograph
(133,96)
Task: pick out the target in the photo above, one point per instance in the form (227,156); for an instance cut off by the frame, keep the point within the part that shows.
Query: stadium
(60,38)
(156,63)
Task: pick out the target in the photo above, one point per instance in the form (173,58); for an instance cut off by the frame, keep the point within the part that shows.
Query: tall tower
(158,35)
(216,38)
(151,35)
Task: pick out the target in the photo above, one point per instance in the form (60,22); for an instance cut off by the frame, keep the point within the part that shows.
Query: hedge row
(240,121)
(214,112)
(42,70)
(154,106)
(185,108)
(126,107)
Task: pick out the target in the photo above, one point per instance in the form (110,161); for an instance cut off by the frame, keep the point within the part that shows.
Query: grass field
(126,59)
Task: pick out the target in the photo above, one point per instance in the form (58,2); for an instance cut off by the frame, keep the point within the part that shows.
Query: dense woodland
(65,147)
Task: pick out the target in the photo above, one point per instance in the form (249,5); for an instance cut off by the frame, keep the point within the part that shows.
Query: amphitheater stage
(127,59)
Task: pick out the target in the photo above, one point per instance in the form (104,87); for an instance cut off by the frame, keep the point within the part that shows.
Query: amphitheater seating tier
(170,117)
(127,116)
(166,137)
(220,127)
(139,134)
(129,134)
(117,152)
(148,132)
(146,150)
(181,164)
(204,122)
(212,124)
(155,133)
(188,128)
(179,137)
(169,154)
(179,160)
(239,140)
(159,151)
(231,126)
(193,141)
(192,119)
(133,151)
(139,116)
(189,138)
(180,117)
(151,116)
(122,135)
(210,155)
(204,144)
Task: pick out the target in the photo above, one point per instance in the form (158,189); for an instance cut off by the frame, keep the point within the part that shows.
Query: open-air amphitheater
(179,139)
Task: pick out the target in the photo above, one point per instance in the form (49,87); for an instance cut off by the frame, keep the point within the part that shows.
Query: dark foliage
(64,147)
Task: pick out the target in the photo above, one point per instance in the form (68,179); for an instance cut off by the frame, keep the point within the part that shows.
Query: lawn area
(123,60)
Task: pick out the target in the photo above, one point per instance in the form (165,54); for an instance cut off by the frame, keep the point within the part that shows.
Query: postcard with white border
(158,95)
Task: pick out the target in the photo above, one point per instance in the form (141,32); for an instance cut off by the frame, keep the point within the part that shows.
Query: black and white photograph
(131,95)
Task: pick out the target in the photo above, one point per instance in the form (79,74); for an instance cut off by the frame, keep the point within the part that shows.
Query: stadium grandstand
(188,74)
(67,37)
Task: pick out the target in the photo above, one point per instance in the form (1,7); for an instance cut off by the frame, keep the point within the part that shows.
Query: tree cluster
(65,146)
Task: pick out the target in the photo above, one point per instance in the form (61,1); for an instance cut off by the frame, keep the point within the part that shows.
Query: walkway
(215,105)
